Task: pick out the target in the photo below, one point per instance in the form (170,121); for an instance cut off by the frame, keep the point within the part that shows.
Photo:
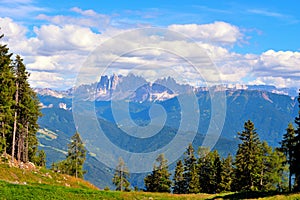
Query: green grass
(44,191)
(40,183)
(40,176)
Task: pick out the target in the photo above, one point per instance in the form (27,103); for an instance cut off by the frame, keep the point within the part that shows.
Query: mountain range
(137,89)
(270,108)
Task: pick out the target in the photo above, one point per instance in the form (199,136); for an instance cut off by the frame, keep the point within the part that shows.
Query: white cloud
(18,8)
(85,18)
(217,32)
(55,52)
(66,38)
(12,30)
(280,68)
(50,80)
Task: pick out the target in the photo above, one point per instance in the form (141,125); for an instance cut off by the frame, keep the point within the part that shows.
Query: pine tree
(226,174)
(120,179)
(7,89)
(276,177)
(248,159)
(76,157)
(191,175)
(159,179)
(28,112)
(210,169)
(19,109)
(296,165)
(41,158)
(178,179)
(288,147)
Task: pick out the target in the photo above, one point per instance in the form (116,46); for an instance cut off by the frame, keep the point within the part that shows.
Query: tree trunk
(3,136)
(76,151)
(290,180)
(19,149)
(121,181)
(15,125)
(26,147)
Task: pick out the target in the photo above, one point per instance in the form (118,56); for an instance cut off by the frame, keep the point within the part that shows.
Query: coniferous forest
(256,166)
(19,110)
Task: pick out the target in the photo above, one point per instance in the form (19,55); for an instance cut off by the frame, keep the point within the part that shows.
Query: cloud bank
(55,51)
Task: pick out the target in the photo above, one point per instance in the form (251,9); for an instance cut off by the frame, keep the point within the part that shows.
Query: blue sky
(252,42)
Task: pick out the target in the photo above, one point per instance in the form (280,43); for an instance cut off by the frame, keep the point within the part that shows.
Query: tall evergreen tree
(76,156)
(191,175)
(178,179)
(19,109)
(296,162)
(210,169)
(288,147)
(159,179)
(28,111)
(121,176)
(7,89)
(41,158)
(248,159)
(226,174)
(276,177)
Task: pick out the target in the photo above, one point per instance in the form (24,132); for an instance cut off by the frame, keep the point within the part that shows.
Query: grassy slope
(18,183)
(40,176)
(44,191)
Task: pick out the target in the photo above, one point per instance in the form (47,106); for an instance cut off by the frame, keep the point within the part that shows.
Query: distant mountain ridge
(137,89)
(270,109)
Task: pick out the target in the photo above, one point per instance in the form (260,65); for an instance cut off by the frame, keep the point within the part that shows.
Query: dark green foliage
(19,109)
(226,174)
(28,112)
(191,175)
(159,179)
(296,165)
(288,147)
(73,164)
(7,90)
(248,160)
(40,159)
(178,179)
(76,156)
(210,172)
(257,165)
(120,179)
(210,169)
(272,176)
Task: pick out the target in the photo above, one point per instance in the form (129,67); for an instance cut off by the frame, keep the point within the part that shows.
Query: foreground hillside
(34,176)
(44,191)
(40,183)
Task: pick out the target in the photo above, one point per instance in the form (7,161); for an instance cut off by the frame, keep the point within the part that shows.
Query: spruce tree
(277,179)
(178,179)
(19,109)
(41,158)
(226,174)
(7,89)
(76,157)
(28,112)
(159,179)
(288,147)
(191,175)
(248,159)
(120,179)
(296,161)
(210,169)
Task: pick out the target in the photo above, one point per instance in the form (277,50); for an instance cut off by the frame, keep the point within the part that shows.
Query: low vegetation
(44,191)
(37,175)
